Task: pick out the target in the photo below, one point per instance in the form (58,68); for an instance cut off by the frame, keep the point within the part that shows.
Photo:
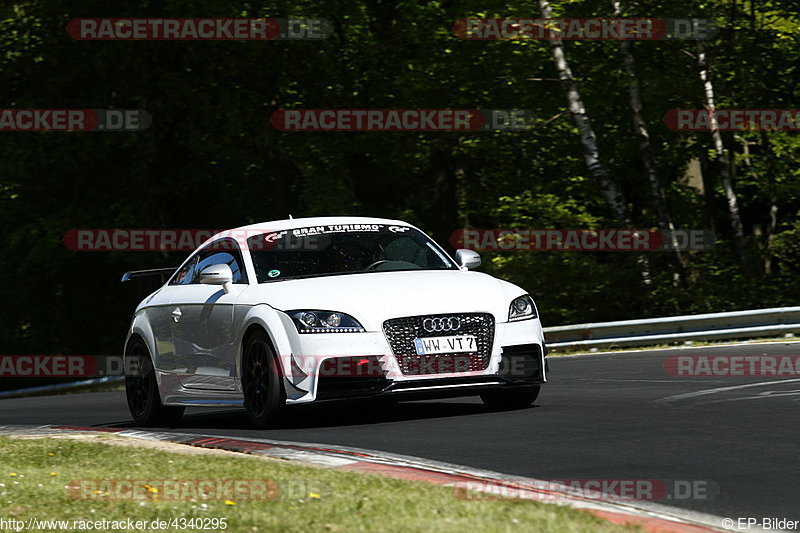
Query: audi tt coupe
(306,310)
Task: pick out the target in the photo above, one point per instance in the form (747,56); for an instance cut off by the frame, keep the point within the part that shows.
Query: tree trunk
(446,172)
(642,133)
(591,154)
(641,130)
(722,156)
(772,196)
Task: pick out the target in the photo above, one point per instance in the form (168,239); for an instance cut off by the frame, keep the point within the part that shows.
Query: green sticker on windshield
(274,273)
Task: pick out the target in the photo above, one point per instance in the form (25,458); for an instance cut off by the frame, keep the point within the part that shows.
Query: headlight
(522,308)
(310,321)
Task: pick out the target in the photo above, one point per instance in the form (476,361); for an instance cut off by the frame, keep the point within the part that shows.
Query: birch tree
(591,154)
(641,130)
(721,153)
(642,133)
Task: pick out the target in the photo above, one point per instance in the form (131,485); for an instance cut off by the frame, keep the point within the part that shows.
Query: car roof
(294,223)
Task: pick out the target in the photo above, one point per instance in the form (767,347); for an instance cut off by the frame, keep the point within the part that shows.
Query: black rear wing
(127,276)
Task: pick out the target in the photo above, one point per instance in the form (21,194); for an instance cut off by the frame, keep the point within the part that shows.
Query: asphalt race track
(602,416)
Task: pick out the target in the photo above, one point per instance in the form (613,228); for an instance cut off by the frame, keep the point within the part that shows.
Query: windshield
(343,249)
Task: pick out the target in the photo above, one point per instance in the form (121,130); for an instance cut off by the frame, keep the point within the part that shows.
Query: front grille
(401,332)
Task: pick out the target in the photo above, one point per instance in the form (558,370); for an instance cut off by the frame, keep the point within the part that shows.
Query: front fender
(275,323)
(140,325)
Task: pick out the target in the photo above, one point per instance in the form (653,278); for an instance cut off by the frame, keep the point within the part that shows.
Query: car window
(406,249)
(343,249)
(231,256)
(185,274)
(217,253)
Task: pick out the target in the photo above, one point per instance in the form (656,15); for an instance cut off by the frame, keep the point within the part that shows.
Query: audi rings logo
(448,323)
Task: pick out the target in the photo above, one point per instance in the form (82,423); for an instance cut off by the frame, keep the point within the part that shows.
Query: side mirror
(468,259)
(217,275)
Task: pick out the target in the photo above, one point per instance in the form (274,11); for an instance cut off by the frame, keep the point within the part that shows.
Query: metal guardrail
(59,387)
(713,326)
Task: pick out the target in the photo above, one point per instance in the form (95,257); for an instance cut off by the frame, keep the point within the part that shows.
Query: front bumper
(521,366)
(518,359)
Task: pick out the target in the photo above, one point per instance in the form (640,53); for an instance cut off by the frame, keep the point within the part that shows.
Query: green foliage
(211,159)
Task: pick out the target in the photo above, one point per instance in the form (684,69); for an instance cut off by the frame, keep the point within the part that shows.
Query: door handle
(176,314)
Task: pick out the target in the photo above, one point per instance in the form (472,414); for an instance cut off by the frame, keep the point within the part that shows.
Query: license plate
(452,344)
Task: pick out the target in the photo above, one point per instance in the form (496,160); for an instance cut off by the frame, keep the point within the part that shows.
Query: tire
(264,396)
(506,400)
(141,390)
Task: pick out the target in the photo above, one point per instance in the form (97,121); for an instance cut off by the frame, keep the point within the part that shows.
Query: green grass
(312,499)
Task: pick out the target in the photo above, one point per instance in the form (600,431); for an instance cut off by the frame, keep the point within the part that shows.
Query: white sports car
(306,310)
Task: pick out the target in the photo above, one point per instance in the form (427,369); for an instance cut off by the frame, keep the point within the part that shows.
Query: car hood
(375,297)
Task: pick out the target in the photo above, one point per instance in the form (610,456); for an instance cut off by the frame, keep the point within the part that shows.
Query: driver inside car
(351,257)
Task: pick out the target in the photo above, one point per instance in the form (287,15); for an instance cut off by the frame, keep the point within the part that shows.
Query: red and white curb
(651,517)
